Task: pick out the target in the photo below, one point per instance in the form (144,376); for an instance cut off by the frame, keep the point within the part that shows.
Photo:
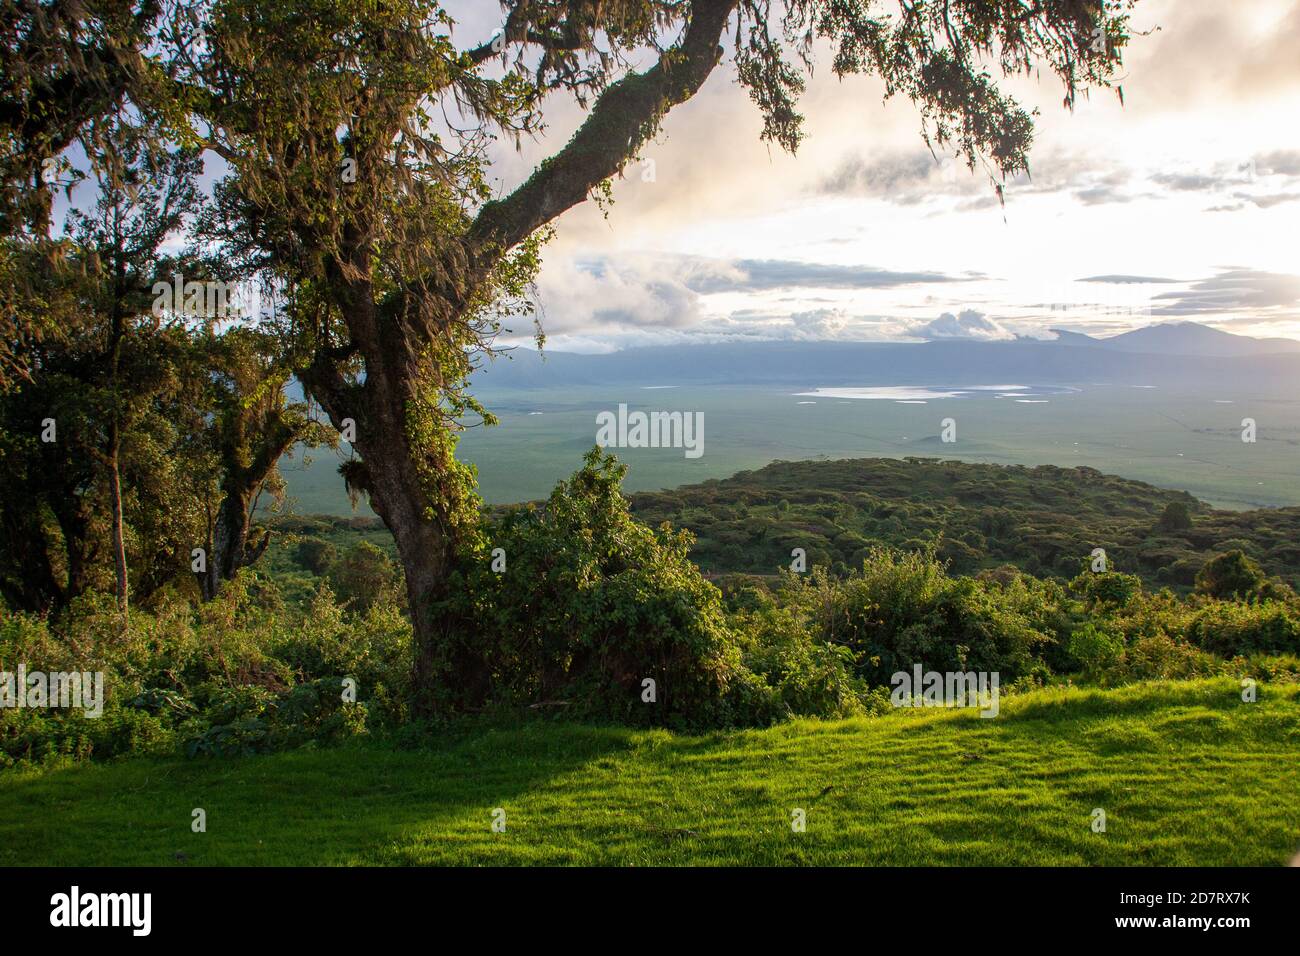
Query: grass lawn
(1185,772)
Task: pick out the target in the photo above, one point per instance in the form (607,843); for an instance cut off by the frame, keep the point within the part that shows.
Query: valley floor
(1186,773)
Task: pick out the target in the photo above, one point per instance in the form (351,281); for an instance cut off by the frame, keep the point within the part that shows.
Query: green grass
(1186,773)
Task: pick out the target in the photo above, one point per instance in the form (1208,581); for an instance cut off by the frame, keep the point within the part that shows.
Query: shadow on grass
(307,807)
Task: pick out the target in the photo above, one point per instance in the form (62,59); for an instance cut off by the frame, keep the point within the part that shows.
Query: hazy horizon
(1048,336)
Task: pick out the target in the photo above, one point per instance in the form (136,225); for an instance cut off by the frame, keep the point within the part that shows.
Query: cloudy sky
(1182,203)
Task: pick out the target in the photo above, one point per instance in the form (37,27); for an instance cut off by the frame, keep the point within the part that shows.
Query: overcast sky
(1183,203)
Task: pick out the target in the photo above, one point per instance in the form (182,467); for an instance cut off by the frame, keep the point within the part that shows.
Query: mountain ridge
(1180,338)
(1079,360)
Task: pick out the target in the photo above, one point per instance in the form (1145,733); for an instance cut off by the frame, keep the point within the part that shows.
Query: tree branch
(325,384)
(623,118)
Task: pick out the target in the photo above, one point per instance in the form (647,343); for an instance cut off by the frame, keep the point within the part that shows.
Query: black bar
(930,907)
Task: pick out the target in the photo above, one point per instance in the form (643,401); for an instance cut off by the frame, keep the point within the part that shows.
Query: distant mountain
(951,363)
(1180,338)
(1183,354)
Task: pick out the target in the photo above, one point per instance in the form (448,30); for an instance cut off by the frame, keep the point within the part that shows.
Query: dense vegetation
(139,432)
(585,611)
(1045,520)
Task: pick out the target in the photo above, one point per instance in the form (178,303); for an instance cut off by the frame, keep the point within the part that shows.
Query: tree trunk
(119,537)
(228,546)
(228,549)
(447,670)
(78,551)
(117,335)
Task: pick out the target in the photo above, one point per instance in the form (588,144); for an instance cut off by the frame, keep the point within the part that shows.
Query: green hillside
(1044,520)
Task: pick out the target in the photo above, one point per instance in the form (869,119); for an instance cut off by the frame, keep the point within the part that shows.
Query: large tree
(135,430)
(98,390)
(356,137)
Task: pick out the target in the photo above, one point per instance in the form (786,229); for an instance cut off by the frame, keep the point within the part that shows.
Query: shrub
(316,555)
(592,604)
(1094,650)
(1161,657)
(1175,517)
(1230,628)
(902,609)
(804,676)
(1105,591)
(363,577)
(1230,575)
(47,737)
(229,677)
(373,648)
(311,713)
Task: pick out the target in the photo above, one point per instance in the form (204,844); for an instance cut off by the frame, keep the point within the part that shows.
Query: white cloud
(967,324)
(631,292)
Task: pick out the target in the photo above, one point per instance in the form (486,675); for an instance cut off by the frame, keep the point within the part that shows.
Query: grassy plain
(1190,441)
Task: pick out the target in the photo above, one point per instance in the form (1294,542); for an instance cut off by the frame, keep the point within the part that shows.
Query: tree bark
(228,548)
(446,671)
(117,334)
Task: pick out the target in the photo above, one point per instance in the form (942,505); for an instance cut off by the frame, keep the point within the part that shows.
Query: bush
(310,714)
(42,738)
(902,609)
(1175,517)
(373,648)
(803,676)
(1094,650)
(363,577)
(1105,591)
(232,676)
(593,604)
(1229,628)
(1161,657)
(1230,575)
(316,555)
